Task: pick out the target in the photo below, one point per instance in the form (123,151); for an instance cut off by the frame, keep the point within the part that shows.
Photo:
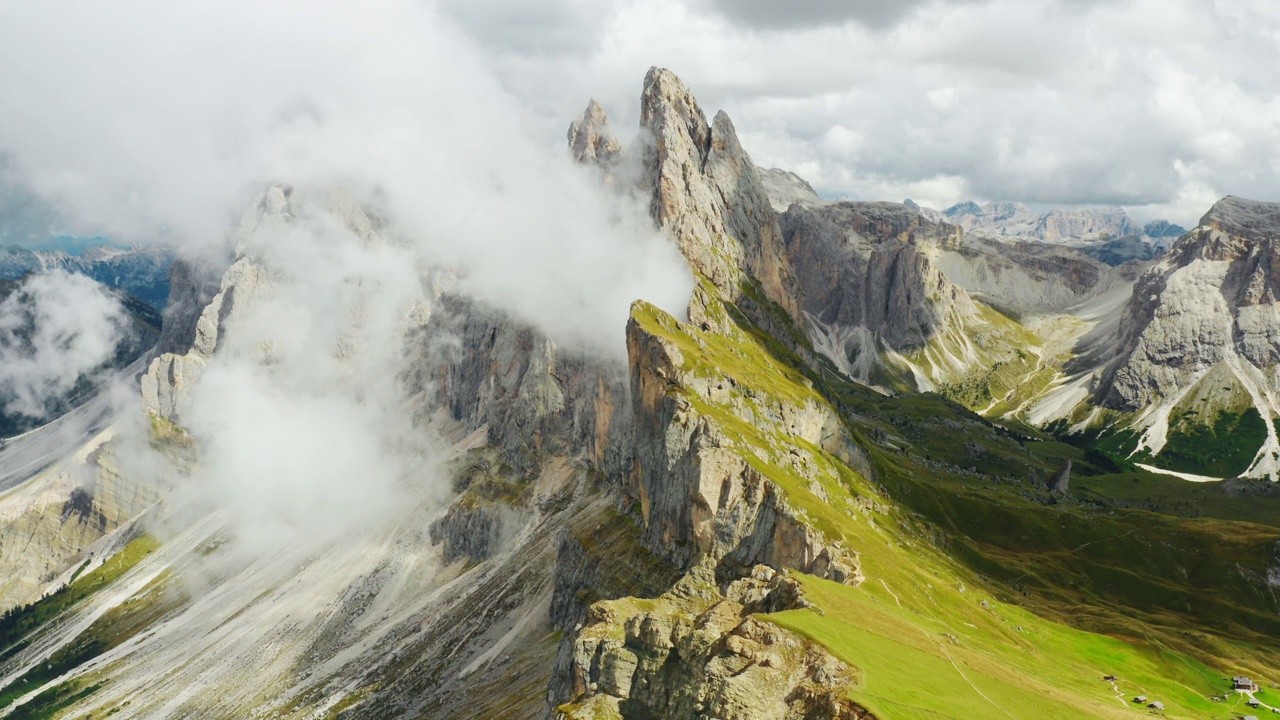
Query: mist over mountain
(61,337)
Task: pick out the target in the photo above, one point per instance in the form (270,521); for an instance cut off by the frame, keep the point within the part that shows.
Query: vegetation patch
(1221,447)
(18,622)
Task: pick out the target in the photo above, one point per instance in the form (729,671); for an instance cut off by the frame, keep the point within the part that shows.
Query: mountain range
(141,271)
(888,463)
(1107,234)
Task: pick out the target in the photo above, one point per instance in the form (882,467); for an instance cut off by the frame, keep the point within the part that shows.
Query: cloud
(56,330)
(546,27)
(768,15)
(1144,103)
(149,120)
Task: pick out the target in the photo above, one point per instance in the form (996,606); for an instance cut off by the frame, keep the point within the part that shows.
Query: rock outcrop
(708,196)
(1060,482)
(171,376)
(534,400)
(1212,301)
(78,511)
(786,188)
(698,492)
(591,140)
(697,652)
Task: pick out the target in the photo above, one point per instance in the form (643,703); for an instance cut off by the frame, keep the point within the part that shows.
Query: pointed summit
(591,140)
(709,196)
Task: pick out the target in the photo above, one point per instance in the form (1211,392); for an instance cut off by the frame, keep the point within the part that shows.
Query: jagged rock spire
(708,195)
(591,140)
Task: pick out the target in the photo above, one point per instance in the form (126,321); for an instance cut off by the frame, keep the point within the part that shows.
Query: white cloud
(1080,90)
(148,118)
(55,330)
(145,118)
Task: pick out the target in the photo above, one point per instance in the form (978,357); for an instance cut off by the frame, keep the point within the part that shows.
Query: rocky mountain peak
(1251,219)
(591,140)
(1201,328)
(669,110)
(963,208)
(1163,229)
(708,195)
(1005,210)
(785,188)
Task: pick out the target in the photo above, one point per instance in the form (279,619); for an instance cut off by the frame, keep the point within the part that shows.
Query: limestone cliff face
(192,285)
(534,400)
(869,279)
(1207,313)
(1215,297)
(698,492)
(867,265)
(786,188)
(68,516)
(1028,277)
(708,196)
(189,345)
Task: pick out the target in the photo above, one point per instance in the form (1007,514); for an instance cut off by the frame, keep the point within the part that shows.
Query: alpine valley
(891,462)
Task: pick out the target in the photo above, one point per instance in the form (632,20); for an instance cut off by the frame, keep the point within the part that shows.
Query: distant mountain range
(142,271)
(1106,234)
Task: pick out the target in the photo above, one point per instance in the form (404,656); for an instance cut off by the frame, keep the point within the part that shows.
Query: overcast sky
(1160,106)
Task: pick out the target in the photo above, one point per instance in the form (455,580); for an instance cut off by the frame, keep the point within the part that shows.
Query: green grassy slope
(986,595)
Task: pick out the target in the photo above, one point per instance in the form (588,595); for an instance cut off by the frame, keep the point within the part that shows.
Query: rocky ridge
(1053,226)
(707,195)
(140,271)
(1209,308)
(547,442)
(696,651)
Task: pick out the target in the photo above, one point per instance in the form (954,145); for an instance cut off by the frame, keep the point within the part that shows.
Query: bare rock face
(786,188)
(591,140)
(709,197)
(1060,481)
(867,270)
(1028,277)
(533,399)
(1215,297)
(697,652)
(699,495)
(78,511)
(169,379)
(1202,330)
